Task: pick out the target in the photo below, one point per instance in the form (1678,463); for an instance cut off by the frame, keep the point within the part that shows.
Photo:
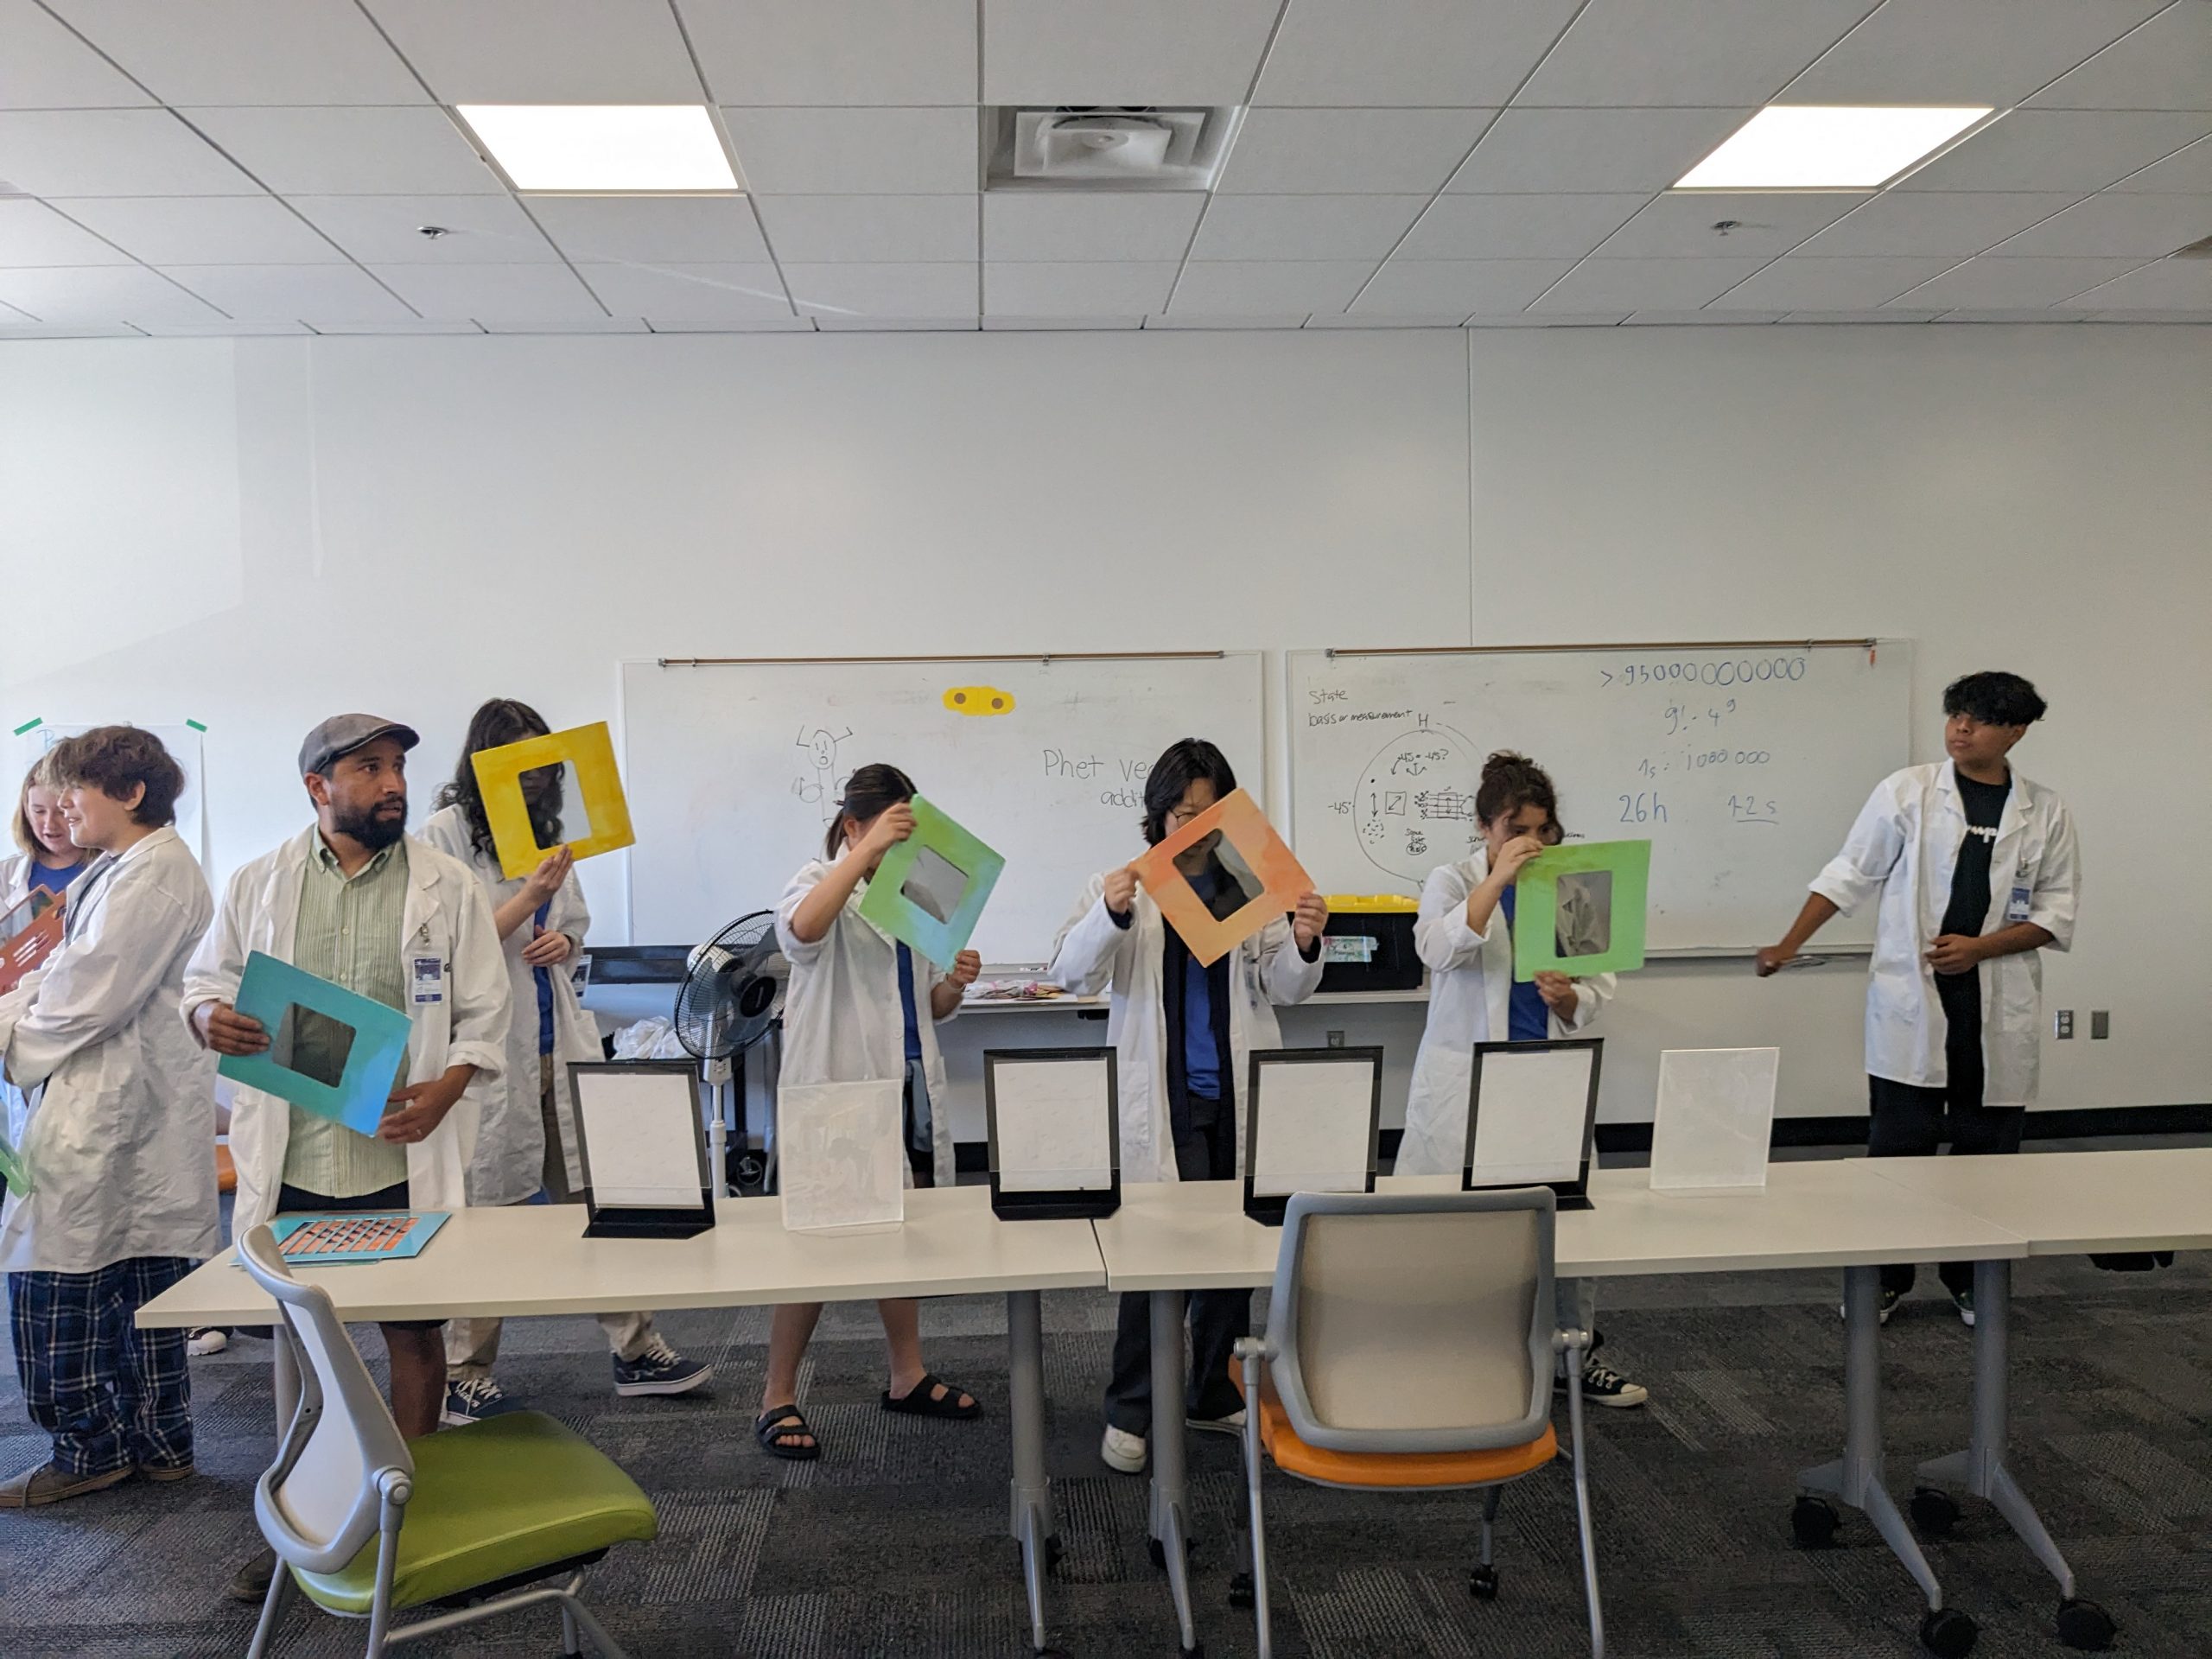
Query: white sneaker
(208,1339)
(1232,1424)
(1122,1452)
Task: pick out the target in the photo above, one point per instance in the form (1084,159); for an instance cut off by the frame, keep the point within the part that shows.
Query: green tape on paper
(929,890)
(195,725)
(1579,910)
(29,726)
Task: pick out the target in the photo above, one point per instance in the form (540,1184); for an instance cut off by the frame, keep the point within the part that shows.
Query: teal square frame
(267,989)
(888,908)
(1535,908)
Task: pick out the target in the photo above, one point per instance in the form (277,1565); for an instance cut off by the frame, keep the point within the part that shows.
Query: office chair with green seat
(1410,1346)
(367,1525)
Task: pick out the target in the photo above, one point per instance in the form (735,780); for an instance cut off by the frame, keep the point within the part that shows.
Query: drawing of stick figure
(820,790)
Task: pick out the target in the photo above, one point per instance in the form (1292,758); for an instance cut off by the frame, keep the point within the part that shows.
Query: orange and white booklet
(28,934)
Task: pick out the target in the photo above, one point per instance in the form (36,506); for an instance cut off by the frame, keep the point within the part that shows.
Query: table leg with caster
(1981,1468)
(1170,1493)
(1856,1479)
(1032,1518)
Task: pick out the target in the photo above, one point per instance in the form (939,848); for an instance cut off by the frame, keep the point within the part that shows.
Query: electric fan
(731,989)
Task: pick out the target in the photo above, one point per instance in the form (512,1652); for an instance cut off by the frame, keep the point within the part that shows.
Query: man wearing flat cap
(357,900)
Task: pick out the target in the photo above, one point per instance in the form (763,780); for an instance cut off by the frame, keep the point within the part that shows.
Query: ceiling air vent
(1107,148)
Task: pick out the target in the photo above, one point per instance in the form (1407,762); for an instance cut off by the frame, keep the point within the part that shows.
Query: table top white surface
(2070,1203)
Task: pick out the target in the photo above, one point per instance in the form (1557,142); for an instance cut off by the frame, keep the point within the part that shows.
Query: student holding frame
(1183,1033)
(1463,935)
(853,1013)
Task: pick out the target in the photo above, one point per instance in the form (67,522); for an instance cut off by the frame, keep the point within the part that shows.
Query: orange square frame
(1238,819)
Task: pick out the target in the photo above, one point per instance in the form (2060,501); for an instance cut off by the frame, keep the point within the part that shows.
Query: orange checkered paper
(1251,855)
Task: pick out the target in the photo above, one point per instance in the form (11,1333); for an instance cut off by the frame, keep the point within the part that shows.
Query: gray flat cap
(343,734)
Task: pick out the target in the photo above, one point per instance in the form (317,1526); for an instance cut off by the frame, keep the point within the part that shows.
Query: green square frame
(1535,908)
(892,911)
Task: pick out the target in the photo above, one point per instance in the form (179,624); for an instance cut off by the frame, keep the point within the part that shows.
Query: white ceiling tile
(1456,288)
(846,152)
(74,293)
(1550,320)
(247,51)
(1702,319)
(1990,282)
(1433,53)
(314,295)
(1271,287)
(1121,226)
(1317,152)
(388,230)
(2196,317)
(12,328)
(1305,227)
(831,52)
(1806,284)
(412,326)
(228,328)
(543,51)
(1549,151)
(492,293)
(1071,325)
(1886,314)
(696,292)
(1961,51)
(2164,65)
(1077,289)
(1645,284)
(205,229)
(2114,224)
(863,325)
(910,290)
(2168,285)
(112,152)
(2059,149)
(32,234)
(1523,227)
(350,152)
(44,66)
(1686,52)
(674,230)
(763,326)
(1167,51)
(821,229)
(573,326)
(1682,226)
(1193,320)
(2186,171)
(1958,222)
(1382,320)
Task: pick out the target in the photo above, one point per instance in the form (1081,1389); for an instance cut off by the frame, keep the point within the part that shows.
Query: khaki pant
(472,1346)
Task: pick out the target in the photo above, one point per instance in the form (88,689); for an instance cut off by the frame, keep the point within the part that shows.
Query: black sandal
(923,1400)
(777,1427)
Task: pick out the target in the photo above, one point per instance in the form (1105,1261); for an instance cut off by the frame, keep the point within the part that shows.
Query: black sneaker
(1604,1386)
(1888,1305)
(1963,1301)
(659,1369)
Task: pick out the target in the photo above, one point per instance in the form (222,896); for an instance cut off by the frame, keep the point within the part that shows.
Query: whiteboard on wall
(1743,765)
(734,771)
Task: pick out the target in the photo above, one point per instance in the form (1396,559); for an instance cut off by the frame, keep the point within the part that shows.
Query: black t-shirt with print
(1968,911)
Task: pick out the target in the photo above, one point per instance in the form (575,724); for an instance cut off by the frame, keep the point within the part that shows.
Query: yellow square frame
(1237,817)
(590,750)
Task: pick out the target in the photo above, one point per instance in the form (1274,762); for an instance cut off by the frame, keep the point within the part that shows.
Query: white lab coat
(1905,848)
(446,917)
(1093,953)
(843,1021)
(121,1143)
(1470,985)
(509,1165)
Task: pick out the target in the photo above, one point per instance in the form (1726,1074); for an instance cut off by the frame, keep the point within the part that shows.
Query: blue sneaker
(659,1369)
(472,1399)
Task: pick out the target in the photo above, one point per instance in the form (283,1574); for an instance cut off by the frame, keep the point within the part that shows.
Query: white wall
(284,528)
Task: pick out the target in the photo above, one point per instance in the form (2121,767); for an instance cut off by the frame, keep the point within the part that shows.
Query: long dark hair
(869,793)
(498,722)
(1184,762)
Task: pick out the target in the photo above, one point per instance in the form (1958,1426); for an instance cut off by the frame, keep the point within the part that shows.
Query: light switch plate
(2099,1023)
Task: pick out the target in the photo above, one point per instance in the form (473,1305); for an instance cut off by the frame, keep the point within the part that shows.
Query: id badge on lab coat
(429,979)
(2016,908)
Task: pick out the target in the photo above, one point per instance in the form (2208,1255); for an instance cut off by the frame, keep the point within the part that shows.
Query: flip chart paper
(641,1138)
(1315,1132)
(1529,1115)
(590,751)
(1715,1118)
(1257,859)
(268,991)
(840,1156)
(1579,909)
(1054,1126)
(930,888)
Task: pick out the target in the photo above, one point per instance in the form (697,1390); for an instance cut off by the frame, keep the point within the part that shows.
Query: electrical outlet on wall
(2100,1025)
(2062,1025)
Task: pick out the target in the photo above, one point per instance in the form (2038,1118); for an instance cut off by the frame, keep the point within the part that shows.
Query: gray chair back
(1414,1322)
(321,1501)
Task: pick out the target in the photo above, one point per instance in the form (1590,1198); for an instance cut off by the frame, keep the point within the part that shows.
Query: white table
(1172,1237)
(531,1259)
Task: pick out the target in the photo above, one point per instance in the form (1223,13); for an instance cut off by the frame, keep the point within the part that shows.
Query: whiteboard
(1743,767)
(734,772)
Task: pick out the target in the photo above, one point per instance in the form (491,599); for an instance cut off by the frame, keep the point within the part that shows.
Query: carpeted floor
(894,1544)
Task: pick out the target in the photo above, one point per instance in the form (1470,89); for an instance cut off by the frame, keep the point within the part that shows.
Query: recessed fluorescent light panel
(636,147)
(1826,147)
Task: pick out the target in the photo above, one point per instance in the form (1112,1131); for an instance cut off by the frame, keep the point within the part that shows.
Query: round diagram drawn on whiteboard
(1414,805)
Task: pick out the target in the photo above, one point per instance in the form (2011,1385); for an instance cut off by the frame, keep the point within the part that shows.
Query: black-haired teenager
(1977,871)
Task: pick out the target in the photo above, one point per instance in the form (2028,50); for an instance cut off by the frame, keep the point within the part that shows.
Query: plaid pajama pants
(110,1393)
